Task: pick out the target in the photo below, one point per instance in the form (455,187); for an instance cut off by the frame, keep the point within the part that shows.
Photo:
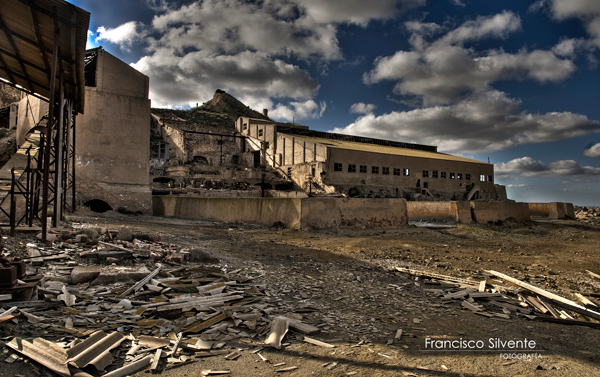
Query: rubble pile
(491,299)
(154,309)
(588,215)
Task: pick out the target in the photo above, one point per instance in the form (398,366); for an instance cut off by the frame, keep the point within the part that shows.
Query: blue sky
(516,82)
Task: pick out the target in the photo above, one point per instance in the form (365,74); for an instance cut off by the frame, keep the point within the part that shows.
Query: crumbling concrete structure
(365,167)
(112,143)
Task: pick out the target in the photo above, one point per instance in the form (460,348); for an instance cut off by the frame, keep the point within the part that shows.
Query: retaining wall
(293,212)
(333,212)
(553,210)
(484,212)
(459,212)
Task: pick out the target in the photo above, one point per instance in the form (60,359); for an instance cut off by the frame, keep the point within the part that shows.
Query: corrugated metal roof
(27,34)
(382,149)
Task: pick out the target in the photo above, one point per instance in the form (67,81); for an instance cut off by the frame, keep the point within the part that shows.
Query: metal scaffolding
(42,51)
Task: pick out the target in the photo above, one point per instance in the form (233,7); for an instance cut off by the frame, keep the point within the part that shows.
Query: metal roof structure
(382,149)
(28,31)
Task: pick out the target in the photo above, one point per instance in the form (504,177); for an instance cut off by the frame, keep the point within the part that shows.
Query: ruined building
(112,146)
(328,163)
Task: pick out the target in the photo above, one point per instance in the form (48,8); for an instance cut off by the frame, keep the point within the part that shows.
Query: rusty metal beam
(48,136)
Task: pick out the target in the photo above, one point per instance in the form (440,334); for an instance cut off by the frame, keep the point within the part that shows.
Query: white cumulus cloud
(123,36)
(528,167)
(442,70)
(362,108)
(486,122)
(592,151)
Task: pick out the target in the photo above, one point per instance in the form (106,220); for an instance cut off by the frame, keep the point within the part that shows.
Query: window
(337,166)
(443,174)
(434,174)
(425,173)
(396,171)
(425,184)
(452,176)
(385,170)
(363,168)
(482,177)
(266,144)
(406,172)
(490,178)
(351,168)
(375,169)
(245,126)
(289,173)
(260,133)
(458,175)
(468,177)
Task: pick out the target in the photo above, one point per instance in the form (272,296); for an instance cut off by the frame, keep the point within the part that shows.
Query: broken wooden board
(318,342)
(302,327)
(568,304)
(199,326)
(279,327)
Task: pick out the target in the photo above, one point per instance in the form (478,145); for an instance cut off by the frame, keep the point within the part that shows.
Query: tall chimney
(266,113)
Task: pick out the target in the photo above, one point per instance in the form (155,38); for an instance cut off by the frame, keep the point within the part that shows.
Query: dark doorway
(257,159)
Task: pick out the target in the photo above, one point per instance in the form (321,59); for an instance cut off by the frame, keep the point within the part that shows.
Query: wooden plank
(593,274)
(302,327)
(585,301)
(459,294)
(481,286)
(317,342)
(199,326)
(8,318)
(473,307)
(550,308)
(6,297)
(568,304)
(571,322)
(154,365)
(437,276)
(137,286)
(536,304)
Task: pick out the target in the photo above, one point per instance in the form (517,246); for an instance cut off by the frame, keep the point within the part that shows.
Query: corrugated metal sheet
(373,148)
(27,34)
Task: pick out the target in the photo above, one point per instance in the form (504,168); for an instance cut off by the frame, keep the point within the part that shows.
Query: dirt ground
(344,281)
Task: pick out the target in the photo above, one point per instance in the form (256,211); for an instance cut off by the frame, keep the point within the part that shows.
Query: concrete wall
(484,212)
(553,210)
(295,213)
(113,138)
(459,212)
(335,212)
(31,110)
(262,211)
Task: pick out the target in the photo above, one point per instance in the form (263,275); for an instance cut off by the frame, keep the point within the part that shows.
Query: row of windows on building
(337,166)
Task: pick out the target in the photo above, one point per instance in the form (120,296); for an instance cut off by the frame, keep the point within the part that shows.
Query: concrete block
(85,274)
(120,274)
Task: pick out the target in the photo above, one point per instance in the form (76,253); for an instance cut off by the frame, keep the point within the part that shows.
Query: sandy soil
(344,281)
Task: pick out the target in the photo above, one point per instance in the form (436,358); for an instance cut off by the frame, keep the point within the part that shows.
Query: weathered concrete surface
(553,210)
(293,212)
(113,138)
(484,212)
(262,211)
(333,212)
(459,212)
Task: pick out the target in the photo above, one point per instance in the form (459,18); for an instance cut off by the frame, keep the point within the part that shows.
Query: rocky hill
(222,110)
